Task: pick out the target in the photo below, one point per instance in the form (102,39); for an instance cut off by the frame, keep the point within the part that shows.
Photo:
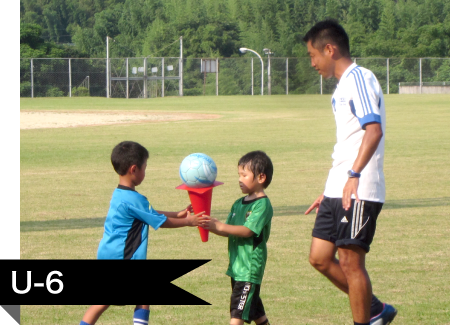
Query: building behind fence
(160,77)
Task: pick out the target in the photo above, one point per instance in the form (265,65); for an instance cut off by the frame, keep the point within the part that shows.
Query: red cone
(201,201)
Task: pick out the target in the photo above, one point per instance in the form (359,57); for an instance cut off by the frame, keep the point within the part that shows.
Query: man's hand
(351,187)
(316,205)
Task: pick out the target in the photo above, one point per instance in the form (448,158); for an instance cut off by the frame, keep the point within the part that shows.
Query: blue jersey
(126,227)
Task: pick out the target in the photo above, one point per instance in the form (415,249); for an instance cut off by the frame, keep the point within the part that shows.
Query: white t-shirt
(357,100)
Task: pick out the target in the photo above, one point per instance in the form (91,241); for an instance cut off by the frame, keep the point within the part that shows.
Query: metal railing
(159,77)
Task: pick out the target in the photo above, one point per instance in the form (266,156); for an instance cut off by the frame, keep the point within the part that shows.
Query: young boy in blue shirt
(248,228)
(126,227)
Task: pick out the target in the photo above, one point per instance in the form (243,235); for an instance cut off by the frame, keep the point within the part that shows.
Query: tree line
(218,28)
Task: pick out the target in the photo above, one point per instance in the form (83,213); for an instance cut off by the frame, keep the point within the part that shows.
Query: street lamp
(268,52)
(243,50)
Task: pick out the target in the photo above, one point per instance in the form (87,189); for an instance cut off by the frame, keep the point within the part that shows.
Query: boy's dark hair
(127,154)
(259,163)
(328,32)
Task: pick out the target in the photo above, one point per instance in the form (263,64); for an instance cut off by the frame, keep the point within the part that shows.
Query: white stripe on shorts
(357,219)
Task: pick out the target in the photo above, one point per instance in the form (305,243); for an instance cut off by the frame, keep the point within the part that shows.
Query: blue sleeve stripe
(359,93)
(362,91)
(365,90)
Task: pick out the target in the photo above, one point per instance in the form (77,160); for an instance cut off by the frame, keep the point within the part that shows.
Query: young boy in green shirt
(248,228)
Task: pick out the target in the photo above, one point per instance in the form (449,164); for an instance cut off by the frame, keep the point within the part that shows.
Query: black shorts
(245,302)
(356,226)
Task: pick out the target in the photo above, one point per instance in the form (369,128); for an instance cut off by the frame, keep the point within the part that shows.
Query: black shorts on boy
(356,226)
(245,302)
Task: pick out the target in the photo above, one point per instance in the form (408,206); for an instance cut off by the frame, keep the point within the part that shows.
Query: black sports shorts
(245,302)
(356,226)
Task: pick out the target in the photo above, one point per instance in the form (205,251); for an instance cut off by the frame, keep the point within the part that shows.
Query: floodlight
(243,50)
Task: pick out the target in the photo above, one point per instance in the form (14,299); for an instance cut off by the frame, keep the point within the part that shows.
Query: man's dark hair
(259,163)
(127,154)
(328,32)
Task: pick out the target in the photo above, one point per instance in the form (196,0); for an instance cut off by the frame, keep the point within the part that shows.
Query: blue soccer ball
(198,170)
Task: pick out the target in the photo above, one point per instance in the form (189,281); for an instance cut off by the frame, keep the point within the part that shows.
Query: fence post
(387,75)
(162,75)
(287,76)
(107,67)
(128,81)
(180,66)
(420,77)
(321,85)
(269,77)
(70,77)
(217,76)
(32,80)
(252,76)
(145,78)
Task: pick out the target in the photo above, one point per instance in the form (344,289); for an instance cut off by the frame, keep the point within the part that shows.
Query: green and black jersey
(248,255)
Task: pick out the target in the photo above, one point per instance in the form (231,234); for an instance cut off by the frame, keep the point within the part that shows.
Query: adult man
(355,190)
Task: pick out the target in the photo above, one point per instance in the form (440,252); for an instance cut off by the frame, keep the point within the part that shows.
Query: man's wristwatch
(352,174)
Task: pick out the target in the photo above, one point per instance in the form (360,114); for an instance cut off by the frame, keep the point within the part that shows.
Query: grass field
(66,183)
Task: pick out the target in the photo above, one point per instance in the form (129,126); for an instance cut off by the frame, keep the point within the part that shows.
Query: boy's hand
(184,213)
(195,220)
(212,224)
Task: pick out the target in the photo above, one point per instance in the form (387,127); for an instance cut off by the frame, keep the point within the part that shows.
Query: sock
(141,316)
(376,307)
(84,323)
(355,323)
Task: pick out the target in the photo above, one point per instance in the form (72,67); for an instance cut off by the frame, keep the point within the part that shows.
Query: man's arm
(369,145)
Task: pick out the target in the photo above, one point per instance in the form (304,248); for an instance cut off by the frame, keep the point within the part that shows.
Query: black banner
(90,282)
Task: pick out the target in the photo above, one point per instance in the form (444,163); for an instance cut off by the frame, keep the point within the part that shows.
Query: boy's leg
(93,313)
(260,321)
(141,315)
(245,303)
(352,261)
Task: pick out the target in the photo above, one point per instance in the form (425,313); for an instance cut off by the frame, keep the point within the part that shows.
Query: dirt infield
(64,119)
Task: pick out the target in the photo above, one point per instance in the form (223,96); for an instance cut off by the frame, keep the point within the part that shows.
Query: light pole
(269,79)
(243,50)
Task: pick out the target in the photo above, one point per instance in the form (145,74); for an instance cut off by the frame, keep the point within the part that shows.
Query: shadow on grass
(82,223)
(417,203)
(79,223)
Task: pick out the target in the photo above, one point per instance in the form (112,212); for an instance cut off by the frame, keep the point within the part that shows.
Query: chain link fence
(160,77)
